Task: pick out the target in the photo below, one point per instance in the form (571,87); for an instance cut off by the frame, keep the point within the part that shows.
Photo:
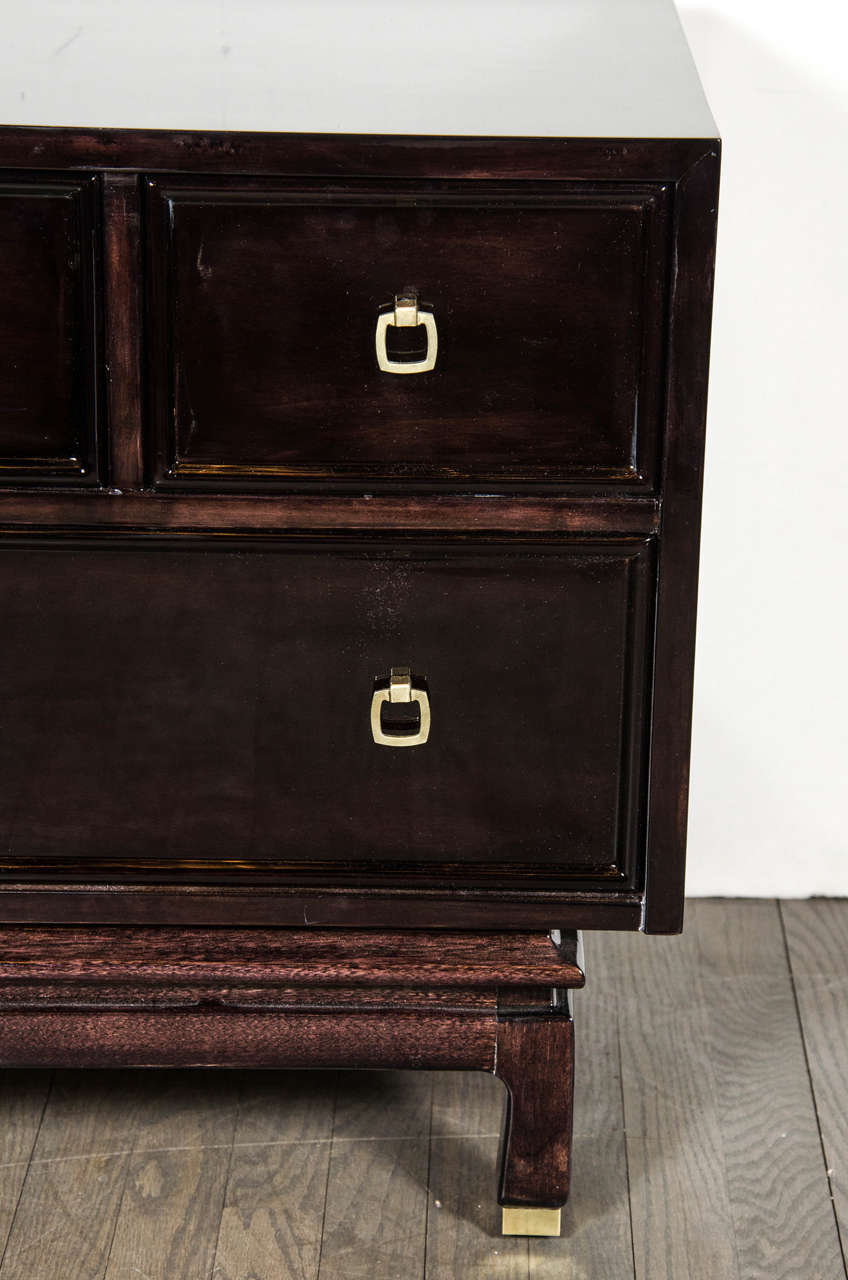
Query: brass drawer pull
(400,689)
(406,315)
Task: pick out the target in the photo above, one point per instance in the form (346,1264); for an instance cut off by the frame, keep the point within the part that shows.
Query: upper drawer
(48,329)
(544,305)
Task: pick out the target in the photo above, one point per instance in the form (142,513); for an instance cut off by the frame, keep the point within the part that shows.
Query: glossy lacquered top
(540,68)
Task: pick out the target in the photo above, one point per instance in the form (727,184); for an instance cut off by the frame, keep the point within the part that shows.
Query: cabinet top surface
(541,68)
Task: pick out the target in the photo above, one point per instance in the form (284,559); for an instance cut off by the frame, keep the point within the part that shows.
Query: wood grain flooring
(711,1135)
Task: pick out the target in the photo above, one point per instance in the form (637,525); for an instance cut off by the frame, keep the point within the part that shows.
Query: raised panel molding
(209,718)
(49,329)
(263,298)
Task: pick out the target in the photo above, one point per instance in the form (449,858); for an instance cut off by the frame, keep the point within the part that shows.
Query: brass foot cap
(520,1221)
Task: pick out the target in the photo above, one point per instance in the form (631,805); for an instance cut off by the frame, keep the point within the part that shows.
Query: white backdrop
(769,792)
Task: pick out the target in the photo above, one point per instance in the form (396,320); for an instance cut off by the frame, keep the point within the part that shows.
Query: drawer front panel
(208,712)
(48,329)
(546,305)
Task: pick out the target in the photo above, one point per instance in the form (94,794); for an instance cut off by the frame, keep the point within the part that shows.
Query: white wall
(769,791)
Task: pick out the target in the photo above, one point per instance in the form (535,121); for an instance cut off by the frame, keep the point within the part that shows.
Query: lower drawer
(209,712)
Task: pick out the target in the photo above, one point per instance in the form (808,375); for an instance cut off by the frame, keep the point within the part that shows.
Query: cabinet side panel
(674,655)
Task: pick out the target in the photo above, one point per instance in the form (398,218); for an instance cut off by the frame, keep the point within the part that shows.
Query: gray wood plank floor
(711,1135)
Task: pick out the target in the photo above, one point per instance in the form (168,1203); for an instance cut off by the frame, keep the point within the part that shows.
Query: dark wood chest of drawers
(313,446)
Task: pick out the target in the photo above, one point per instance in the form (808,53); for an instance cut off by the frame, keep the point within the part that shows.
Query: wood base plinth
(84,997)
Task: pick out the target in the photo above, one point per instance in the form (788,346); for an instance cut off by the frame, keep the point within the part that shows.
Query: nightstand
(351,465)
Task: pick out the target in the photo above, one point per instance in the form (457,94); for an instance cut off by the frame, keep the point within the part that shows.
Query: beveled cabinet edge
(100,903)
(106,513)
(283,959)
(212,151)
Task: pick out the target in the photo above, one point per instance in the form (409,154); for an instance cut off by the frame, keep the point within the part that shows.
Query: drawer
(48,330)
(539,306)
(211,712)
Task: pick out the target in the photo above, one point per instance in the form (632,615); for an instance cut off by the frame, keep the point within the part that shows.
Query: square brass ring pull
(400,689)
(406,315)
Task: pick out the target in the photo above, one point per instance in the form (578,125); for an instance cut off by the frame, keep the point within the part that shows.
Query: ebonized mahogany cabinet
(321,441)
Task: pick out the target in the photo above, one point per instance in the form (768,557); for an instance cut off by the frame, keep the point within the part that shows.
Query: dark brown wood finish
(264,297)
(122,288)
(221,526)
(49,376)
(224,998)
(220,998)
(532,648)
(174,958)
(677,178)
(102,513)
(107,1037)
(59,901)
(341,155)
(535,1060)
(41,993)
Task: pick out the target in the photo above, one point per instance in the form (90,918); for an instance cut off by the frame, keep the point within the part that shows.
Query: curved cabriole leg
(535,1060)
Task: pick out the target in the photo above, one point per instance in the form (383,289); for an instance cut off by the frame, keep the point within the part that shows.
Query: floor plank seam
(119,1199)
(626,1152)
(327,1180)
(221,1146)
(114,1231)
(826,1163)
(429,1167)
(47,1095)
(214,1254)
(704,977)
